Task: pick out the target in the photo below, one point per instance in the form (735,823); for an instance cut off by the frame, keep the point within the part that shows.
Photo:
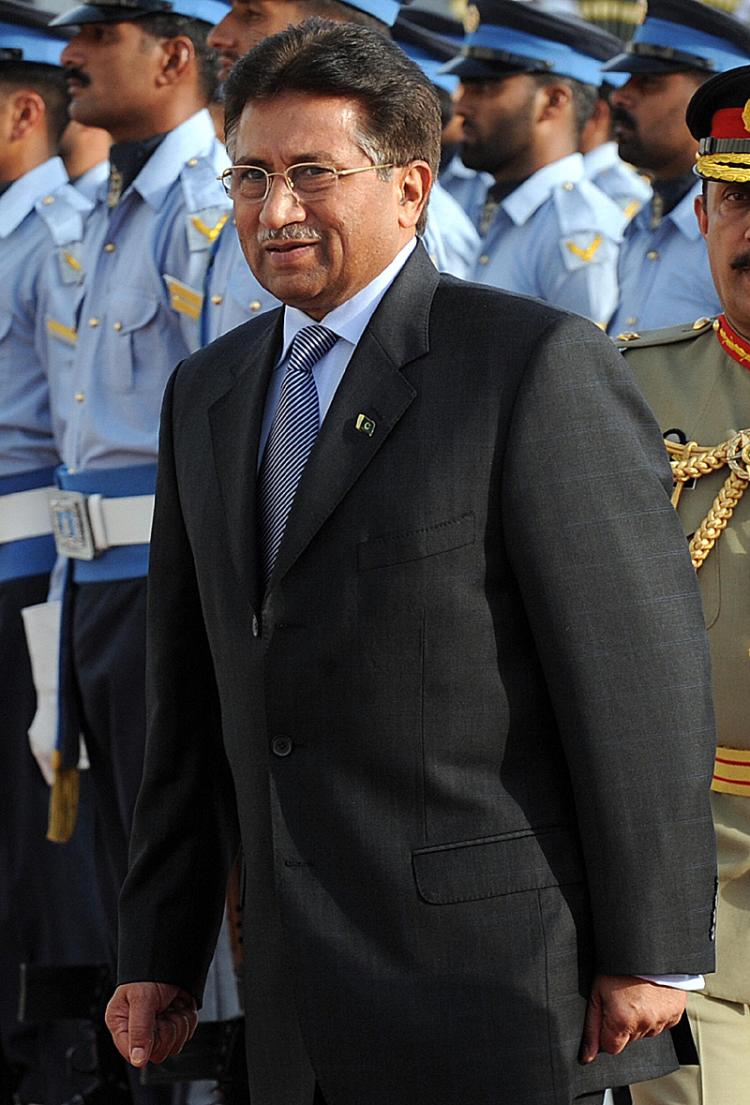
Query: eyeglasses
(306,181)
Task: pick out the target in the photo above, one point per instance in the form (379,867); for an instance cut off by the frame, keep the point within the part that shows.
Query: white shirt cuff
(677,982)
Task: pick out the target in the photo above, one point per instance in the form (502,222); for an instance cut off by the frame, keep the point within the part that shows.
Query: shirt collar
(521,204)
(682,216)
(192,138)
(349,319)
(24,193)
(601,158)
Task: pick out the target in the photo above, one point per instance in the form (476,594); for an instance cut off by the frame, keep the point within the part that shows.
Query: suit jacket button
(256,626)
(281,746)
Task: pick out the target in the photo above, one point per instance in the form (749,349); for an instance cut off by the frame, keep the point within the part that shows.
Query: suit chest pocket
(430,540)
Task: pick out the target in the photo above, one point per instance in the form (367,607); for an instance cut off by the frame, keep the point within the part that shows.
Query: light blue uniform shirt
(42,220)
(450,237)
(232,294)
(468,188)
(618,180)
(556,237)
(665,277)
(145,262)
(90,183)
(349,321)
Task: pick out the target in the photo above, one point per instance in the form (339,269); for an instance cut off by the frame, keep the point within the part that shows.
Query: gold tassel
(63,803)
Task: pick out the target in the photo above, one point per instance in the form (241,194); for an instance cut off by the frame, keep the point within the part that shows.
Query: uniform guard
(663,270)
(697,379)
(529,84)
(47,912)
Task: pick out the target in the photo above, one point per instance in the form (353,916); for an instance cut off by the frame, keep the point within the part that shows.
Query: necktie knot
(309,345)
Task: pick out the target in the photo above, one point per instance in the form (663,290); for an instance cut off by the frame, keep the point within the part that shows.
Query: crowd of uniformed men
(567,174)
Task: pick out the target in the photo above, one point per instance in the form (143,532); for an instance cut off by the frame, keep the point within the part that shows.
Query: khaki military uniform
(697,380)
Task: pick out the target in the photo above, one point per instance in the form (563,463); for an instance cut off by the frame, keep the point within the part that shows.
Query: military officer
(604,167)
(142,72)
(528,85)
(47,910)
(664,275)
(696,379)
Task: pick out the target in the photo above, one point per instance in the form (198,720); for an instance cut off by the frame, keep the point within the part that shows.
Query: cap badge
(746,116)
(471,19)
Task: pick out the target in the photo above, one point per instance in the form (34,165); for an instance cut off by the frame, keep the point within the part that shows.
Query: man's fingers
(591,1031)
(614,1040)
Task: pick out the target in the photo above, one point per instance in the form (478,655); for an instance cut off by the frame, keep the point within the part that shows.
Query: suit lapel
(373,386)
(236,419)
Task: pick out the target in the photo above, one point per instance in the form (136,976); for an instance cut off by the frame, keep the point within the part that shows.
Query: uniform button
(192,162)
(653,255)
(217,299)
(631,321)
(700,323)
(281,746)
(256,626)
(110,247)
(568,185)
(79,397)
(117,326)
(256,305)
(48,200)
(93,322)
(484,259)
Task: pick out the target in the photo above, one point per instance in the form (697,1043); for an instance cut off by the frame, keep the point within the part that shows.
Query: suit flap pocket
(496,865)
(398,548)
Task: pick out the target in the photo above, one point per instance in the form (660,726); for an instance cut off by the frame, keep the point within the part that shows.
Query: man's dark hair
(400,112)
(49,83)
(584,97)
(344,13)
(166,25)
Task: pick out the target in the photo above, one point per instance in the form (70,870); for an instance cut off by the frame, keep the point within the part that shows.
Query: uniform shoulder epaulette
(686,331)
(64,213)
(206,205)
(581,205)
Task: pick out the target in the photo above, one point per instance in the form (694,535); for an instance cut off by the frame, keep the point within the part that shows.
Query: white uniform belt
(87,525)
(24,514)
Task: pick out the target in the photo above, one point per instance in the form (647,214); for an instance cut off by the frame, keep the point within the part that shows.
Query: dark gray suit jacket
(466,736)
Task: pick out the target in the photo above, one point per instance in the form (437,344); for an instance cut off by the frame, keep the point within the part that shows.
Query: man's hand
(150,1021)
(622,1009)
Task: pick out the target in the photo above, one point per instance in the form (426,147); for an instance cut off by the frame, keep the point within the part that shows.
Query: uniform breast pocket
(429,540)
(136,343)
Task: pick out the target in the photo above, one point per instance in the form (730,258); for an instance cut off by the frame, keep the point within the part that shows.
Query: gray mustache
(290,233)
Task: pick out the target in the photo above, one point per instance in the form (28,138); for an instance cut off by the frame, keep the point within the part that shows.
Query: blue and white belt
(26,544)
(101,520)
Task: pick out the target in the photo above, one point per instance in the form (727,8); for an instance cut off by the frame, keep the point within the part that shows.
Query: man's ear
(699,206)
(414,183)
(553,99)
(28,111)
(177,55)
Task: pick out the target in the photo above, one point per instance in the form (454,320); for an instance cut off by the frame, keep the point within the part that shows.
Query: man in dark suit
(436,698)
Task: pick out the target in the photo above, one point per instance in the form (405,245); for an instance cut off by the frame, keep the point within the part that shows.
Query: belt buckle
(71,525)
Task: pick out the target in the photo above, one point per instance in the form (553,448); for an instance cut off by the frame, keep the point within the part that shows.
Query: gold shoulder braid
(690,462)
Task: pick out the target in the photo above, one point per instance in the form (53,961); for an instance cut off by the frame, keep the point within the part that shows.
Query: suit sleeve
(614,607)
(185,834)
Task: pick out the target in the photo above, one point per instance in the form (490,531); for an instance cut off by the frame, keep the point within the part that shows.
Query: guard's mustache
(741,261)
(291,232)
(73,73)
(619,115)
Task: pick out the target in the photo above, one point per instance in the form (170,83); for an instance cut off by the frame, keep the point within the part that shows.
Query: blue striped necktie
(293,431)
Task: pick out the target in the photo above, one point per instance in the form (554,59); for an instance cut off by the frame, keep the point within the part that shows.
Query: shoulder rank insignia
(204,227)
(62,332)
(588,252)
(182,298)
(631,209)
(71,269)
